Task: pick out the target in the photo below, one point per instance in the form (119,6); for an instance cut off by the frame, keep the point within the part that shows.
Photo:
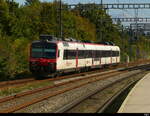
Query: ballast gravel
(52,104)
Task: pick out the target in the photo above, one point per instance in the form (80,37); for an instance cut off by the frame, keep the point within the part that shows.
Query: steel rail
(51,94)
(48,87)
(39,89)
(83,98)
(11,84)
(108,102)
(56,94)
(7,85)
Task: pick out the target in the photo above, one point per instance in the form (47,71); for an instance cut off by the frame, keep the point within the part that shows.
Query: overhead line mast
(101,36)
(60,19)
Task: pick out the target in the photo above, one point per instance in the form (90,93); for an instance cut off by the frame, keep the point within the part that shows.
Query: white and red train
(53,56)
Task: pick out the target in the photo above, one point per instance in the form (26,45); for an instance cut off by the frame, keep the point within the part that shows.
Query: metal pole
(130,43)
(101,2)
(136,18)
(136,15)
(101,37)
(60,18)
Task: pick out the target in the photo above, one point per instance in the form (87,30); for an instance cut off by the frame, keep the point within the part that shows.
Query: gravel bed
(52,83)
(30,97)
(93,104)
(53,103)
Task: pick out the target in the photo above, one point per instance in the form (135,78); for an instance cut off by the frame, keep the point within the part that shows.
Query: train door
(65,58)
(60,54)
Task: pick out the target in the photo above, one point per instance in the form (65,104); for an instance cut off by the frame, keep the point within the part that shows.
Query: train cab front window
(50,51)
(43,50)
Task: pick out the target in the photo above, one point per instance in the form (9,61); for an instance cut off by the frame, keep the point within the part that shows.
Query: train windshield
(43,50)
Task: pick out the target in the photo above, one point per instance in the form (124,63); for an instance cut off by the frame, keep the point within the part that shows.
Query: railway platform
(138,99)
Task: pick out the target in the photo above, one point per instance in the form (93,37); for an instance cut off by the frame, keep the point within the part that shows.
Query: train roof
(51,39)
(37,41)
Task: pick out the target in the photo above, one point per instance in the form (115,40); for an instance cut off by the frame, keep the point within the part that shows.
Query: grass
(26,87)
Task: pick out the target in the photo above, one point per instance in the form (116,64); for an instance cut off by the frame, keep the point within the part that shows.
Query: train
(51,56)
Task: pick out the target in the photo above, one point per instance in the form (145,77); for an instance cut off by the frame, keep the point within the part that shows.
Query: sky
(114,13)
(96,1)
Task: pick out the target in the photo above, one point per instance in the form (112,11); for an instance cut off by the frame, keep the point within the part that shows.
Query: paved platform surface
(138,99)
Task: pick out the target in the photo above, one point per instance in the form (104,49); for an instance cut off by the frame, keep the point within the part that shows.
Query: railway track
(109,101)
(83,101)
(87,79)
(15,82)
(19,83)
(51,94)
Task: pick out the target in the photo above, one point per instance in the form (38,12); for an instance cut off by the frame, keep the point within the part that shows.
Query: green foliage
(19,25)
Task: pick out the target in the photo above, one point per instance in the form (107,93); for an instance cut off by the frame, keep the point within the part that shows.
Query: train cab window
(36,51)
(43,50)
(49,51)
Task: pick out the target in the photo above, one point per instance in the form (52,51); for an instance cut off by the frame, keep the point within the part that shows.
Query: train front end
(43,58)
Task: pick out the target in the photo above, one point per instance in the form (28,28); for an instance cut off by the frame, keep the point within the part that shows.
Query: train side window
(100,53)
(106,54)
(93,53)
(80,54)
(113,54)
(65,54)
(89,54)
(109,53)
(72,54)
(97,54)
(86,54)
(117,53)
(103,54)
